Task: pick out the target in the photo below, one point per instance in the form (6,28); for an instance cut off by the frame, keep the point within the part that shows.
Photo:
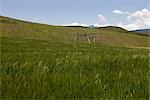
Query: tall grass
(34,69)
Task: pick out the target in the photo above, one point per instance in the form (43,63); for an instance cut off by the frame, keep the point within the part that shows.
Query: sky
(129,14)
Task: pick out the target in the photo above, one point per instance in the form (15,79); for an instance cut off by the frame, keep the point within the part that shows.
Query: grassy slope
(35,69)
(39,65)
(10,27)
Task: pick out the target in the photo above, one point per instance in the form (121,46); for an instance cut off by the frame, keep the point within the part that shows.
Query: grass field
(109,36)
(37,66)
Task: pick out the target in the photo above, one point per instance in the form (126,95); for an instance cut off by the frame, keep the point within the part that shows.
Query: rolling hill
(43,62)
(142,32)
(113,28)
(113,36)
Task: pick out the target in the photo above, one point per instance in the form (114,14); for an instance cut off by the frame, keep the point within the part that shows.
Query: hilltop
(112,36)
(114,28)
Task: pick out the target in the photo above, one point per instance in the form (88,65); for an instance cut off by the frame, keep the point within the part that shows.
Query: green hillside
(43,62)
(113,36)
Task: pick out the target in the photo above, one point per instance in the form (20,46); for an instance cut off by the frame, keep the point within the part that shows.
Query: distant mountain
(142,31)
(92,26)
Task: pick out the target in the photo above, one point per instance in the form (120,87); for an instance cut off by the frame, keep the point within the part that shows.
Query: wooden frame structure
(91,38)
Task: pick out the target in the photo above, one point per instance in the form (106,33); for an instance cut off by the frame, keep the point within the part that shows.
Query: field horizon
(111,35)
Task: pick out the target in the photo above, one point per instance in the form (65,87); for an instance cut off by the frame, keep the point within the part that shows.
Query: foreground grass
(34,69)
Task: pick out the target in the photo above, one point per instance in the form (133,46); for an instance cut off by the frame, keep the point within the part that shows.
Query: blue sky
(65,12)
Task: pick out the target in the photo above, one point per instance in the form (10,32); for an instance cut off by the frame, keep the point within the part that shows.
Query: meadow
(43,62)
(36,69)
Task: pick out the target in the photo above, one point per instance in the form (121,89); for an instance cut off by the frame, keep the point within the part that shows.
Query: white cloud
(101,25)
(142,16)
(35,20)
(102,21)
(76,24)
(137,20)
(131,26)
(119,12)
(101,18)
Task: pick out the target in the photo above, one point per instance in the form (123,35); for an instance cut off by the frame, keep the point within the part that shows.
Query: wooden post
(88,38)
(76,38)
(85,36)
(94,40)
